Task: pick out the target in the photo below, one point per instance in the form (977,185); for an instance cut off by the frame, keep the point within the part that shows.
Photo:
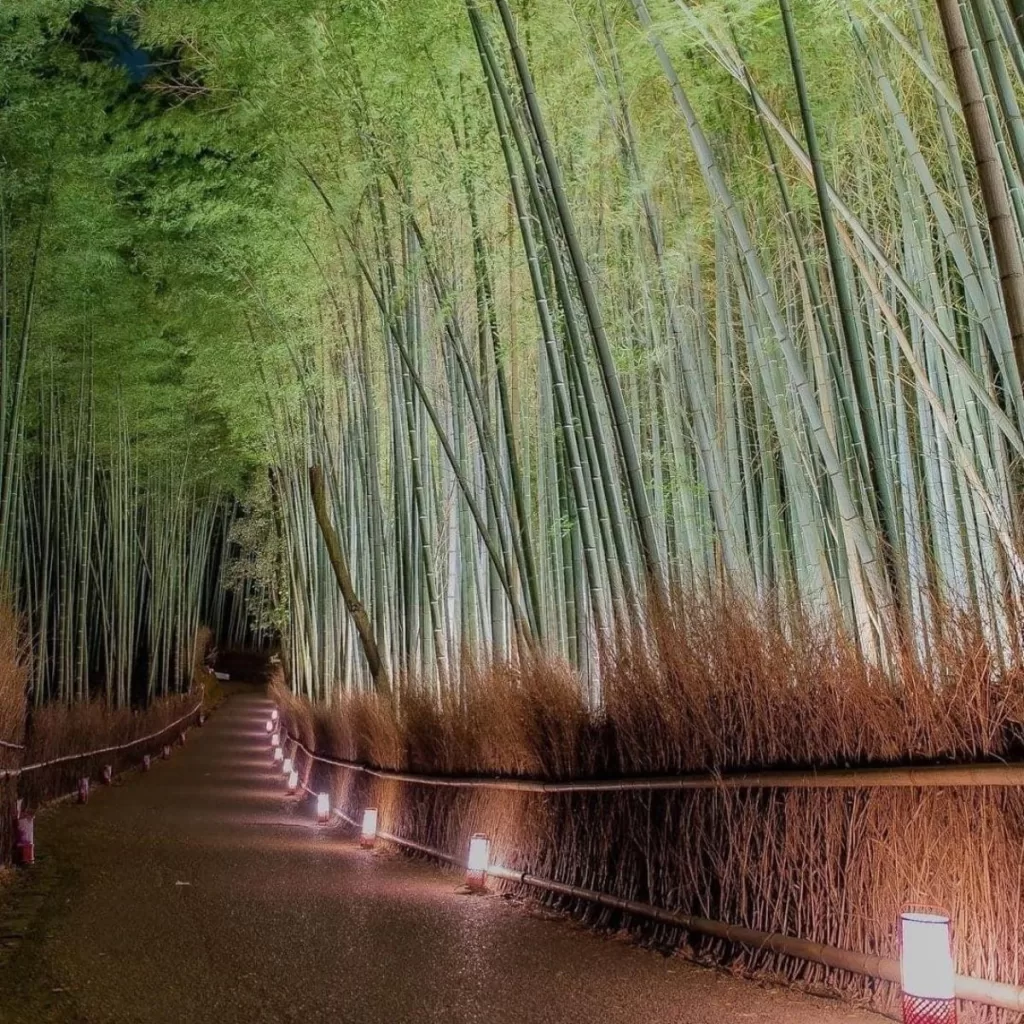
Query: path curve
(200,893)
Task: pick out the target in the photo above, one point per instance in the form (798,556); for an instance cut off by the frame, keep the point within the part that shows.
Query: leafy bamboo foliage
(573,303)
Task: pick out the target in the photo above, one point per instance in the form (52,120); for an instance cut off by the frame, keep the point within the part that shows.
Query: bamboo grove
(632,298)
(569,306)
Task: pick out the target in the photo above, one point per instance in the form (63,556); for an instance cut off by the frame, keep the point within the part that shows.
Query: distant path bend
(201,894)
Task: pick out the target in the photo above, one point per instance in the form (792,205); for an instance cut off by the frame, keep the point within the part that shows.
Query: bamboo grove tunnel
(511,510)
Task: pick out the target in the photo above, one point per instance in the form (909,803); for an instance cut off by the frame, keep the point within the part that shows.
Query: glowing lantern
(368,836)
(293,782)
(926,968)
(278,756)
(274,715)
(146,760)
(25,839)
(479,858)
(323,808)
(270,725)
(83,791)
(167,751)
(288,766)
(107,774)
(275,740)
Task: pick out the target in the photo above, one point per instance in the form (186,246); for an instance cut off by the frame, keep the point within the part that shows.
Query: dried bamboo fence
(825,832)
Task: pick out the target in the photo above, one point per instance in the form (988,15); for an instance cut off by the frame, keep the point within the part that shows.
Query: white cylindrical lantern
(270,725)
(146,762)
(479,859)
(83,790)
(293,781)
(926,969)
(278,756)
(275,740)
(107,774)
(323,808)
(286,768)
(25,839)
(368,836)
(274,716)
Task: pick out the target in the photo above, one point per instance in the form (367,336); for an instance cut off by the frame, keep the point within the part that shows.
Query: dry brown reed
(60,729)
(715,685)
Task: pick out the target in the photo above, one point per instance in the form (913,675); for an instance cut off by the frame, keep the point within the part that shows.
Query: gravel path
(199,893)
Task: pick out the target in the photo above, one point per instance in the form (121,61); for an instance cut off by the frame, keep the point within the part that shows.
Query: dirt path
(200,893)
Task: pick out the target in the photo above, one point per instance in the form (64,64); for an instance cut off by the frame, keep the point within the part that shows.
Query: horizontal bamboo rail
(25,769)
(976,990)
(930,776)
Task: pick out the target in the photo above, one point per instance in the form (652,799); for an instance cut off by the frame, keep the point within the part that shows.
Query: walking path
(201,893)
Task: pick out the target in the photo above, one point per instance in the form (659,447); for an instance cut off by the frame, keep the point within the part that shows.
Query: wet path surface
(201,893)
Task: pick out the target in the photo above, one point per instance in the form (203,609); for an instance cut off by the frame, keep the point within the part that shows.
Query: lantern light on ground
(83,790)
(274,716)
(278,756)
(323,808)
(368,836)
(479,859)
(926,969)
(288,766)
(293,782)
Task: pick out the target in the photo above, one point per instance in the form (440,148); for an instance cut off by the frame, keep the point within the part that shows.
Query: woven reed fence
(825,858)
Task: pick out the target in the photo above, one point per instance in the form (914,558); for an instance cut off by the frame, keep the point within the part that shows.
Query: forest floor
(201,893)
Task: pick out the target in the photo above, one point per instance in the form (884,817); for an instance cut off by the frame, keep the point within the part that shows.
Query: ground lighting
(926,969)
(479,859)
(368,836)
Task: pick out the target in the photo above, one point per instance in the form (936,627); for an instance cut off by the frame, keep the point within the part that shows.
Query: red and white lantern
(926,969)
(368,835)
(83,790)
(323,808)
(25,839)
(479,861)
